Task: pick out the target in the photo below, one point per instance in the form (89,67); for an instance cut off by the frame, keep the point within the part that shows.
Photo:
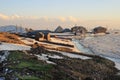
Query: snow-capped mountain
(12,29)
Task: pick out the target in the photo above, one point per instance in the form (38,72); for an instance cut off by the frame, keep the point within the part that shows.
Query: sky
(48,14)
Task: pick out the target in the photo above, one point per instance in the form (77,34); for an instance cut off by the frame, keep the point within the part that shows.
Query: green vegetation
(33,66)
(28,77)
(38,70)
(16,55)
(27,67)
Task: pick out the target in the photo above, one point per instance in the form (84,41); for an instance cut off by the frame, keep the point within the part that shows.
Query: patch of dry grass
(9,38)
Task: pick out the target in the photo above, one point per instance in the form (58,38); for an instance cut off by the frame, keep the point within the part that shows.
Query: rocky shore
(22,65)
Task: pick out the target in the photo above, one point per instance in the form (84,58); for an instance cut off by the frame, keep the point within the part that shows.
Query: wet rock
(88,78)
(38,50)
(86,69)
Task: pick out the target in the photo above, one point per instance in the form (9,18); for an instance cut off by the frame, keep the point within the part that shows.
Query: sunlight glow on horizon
(47,13)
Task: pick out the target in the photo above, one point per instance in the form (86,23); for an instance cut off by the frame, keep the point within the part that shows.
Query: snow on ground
(3,57)
(29,41)
(75,55)
(45,57)
(58,40)
(117,65)
(71,55)
(107,46)
(10,46)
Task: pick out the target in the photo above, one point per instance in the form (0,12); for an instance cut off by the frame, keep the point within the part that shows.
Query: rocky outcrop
(59,29)
(99,29)
(96,68)
(92,69)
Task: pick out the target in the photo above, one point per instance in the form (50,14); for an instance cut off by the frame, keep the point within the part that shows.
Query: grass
(15,55)
(32,64)
(28,77)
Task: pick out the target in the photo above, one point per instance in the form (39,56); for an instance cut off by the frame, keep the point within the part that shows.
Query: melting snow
(3,57)
(107,46)
(71,55)
(45,57)
(10,46)
(75,55)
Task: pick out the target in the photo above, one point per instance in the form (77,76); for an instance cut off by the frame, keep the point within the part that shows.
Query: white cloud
(2,16)
(72,19)
(63,19)
(46,21)
(45,18)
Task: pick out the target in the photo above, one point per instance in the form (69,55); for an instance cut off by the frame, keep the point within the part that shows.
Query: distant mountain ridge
(12,29)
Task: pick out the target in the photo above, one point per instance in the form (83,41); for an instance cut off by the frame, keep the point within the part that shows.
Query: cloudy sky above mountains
(47,14)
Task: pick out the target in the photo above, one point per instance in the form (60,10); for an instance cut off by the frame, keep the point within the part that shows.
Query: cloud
(15,17)
(4,17)
(63,19)
(46,22)
(72,19)
(44,18)
(68,19)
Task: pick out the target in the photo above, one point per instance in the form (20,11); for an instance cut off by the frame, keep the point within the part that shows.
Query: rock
(38,50)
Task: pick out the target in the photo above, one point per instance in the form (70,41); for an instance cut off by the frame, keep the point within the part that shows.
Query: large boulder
(99,29)
(79,30)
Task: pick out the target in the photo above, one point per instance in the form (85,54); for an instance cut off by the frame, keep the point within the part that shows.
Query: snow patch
(75,56)
(3,57)
(10,46)
(71,55)
(107,46)
(45,57)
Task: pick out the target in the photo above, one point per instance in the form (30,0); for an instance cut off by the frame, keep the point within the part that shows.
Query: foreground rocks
(92,69)
(96,68)
(26,66)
